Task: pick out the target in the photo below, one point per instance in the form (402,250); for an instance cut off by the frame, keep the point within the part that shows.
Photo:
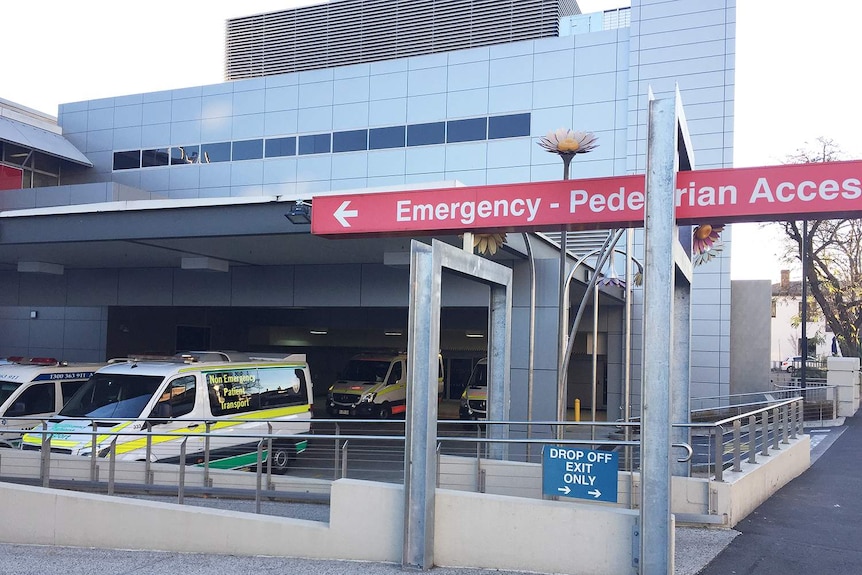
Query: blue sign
(582,473)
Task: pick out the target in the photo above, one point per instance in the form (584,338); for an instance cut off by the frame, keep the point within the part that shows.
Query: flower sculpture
(612,279)
(488,242)
(706,243)
(567,143)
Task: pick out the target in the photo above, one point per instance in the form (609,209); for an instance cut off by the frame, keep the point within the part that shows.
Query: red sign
(788,192)
(10,178)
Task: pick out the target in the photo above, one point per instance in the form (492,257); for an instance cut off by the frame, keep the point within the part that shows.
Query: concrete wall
(366,523)
(843,373)
(750,329)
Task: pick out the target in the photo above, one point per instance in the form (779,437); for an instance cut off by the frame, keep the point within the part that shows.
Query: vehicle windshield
(366,370)
(7,388)
(479,377)
(112,396)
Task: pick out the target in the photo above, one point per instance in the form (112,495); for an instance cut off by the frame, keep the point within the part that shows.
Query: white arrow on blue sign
(581,473)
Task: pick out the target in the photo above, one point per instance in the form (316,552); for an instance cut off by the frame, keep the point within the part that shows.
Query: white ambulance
(374,385)
(32,389)
(178,397)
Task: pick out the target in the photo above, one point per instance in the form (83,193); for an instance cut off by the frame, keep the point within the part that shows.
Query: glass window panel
(466,130)
(315,144)
(382,138)
(509,126)
(350,141)
(45,180)
(185,154)
(425,134)
(248,150)
(217,152)
(127,160)
(15,154)
(46,163)
(278,147)
(154,157)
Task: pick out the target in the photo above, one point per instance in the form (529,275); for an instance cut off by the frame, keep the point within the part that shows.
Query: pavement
(807,527)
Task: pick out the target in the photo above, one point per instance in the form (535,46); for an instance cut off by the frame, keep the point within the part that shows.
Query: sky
(796,72)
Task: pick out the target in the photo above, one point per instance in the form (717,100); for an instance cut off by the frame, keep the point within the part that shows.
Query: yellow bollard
(577,409)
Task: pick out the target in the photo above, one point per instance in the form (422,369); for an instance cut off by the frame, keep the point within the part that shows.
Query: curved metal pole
(564,363)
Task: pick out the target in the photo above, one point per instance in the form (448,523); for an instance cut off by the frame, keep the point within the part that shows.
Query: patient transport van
(374,385)
(177,397)
(32,389)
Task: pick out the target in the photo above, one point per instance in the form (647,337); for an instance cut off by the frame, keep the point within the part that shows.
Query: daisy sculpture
(706,243)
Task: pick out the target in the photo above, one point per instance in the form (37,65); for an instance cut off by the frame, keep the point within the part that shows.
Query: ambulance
(374,385)
(474,400)
(174,398)
(33,389)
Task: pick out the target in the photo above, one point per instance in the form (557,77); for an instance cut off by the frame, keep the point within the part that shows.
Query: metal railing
(374,450)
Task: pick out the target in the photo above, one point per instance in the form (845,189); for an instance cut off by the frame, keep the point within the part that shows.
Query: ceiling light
(204,263)
(472,334)
(392,333)
(318,331)
(40,268)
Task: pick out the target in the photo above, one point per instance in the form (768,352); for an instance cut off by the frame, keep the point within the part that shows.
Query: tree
(833,251)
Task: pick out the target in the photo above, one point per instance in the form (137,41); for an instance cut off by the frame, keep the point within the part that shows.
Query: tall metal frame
(420,469)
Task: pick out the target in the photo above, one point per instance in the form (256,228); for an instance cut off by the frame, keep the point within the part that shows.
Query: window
(112,395)
(179,395)
(279,147)
(351,141)
(426,134)
(395,374)
(37,399)
(316,144)
(154,157)
(773,307)
(508,126)
(185,154)
(466,130)
(243,390)
(218,152)
(69,388)
(248,150)
(127,160)
(382,138)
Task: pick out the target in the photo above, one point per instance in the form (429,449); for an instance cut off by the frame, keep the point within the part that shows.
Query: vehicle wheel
(791,369)
(281,456)
(384,412)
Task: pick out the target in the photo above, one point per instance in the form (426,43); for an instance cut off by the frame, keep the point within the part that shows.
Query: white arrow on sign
(565,489)
(342,213)
(595,493)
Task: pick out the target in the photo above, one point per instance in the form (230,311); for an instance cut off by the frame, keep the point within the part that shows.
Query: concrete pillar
(843,374)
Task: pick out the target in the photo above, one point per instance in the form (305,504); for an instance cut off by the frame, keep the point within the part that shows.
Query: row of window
(468,130)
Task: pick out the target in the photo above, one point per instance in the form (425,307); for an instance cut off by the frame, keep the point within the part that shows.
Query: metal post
(752,439)
(112,465)
(499,320)
(681,374)
(737,447)
(660,234)
(421,421)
